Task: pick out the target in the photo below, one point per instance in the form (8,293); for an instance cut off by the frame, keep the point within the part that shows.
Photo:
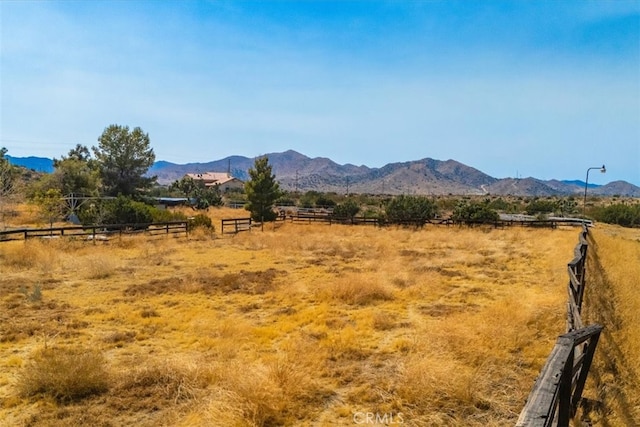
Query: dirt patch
(26,314)
(249,282)
(443,310)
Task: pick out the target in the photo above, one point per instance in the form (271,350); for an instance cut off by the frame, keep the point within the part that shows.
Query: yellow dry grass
(613,277)
(304,325)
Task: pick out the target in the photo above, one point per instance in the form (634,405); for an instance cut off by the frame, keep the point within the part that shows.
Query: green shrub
(66,374)
(413,209)
(620,214)
(542,207)
(475,212)
(165,215)
(325,202)
(348,209)
(285,201)
(121,210)
(127,211)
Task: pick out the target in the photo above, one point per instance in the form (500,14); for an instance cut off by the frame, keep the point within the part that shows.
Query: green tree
(51,205)
(202,196)
(77,173)
(208,196)
(186,185)
(262,191)
(80,152)
(123,158)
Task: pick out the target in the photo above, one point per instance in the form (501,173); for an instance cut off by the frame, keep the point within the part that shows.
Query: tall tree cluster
(118,166)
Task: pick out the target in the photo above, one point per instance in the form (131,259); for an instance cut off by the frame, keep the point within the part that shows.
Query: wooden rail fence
(556,394)
(328,218)
(235,225)
(94,232)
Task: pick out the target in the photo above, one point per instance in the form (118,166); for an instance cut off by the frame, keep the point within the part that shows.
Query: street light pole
(586,182)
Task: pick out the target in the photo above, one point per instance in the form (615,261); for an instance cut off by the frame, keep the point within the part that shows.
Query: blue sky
(527,88)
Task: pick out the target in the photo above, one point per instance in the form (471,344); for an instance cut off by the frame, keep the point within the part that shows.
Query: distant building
(223,179)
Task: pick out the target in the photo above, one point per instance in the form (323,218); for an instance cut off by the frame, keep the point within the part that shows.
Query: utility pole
(296,181)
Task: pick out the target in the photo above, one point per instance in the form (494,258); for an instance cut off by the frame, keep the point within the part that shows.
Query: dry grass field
(309,325)
(613,279)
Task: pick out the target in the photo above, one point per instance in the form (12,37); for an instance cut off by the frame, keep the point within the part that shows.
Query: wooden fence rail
(328,218)
(235,225)
(576,268)
(91,232)
(556,394)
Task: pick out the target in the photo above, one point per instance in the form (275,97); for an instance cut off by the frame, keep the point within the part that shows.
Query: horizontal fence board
(90,230)
(541,404)
(235,225)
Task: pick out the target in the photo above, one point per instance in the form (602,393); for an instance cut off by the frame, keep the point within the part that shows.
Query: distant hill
(39,164)
(426,176)
(617,188)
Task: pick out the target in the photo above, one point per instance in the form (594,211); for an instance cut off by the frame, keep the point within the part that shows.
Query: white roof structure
(213,178)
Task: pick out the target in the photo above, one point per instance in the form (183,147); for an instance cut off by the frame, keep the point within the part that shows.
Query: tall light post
(586,182)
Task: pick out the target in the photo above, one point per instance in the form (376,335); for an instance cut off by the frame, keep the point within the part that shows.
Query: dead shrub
(64,373)
(149,312)
(249,282)
(32,254)
(99,267)
(167,380)
(275,391)
(202,234)
(435,385)
(383,321)
(118,338)
(157,287)
(356,291)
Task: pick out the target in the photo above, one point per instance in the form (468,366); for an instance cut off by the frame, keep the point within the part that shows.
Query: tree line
(114,175)
(115,172)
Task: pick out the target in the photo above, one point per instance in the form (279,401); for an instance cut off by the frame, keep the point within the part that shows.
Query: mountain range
(296,171)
